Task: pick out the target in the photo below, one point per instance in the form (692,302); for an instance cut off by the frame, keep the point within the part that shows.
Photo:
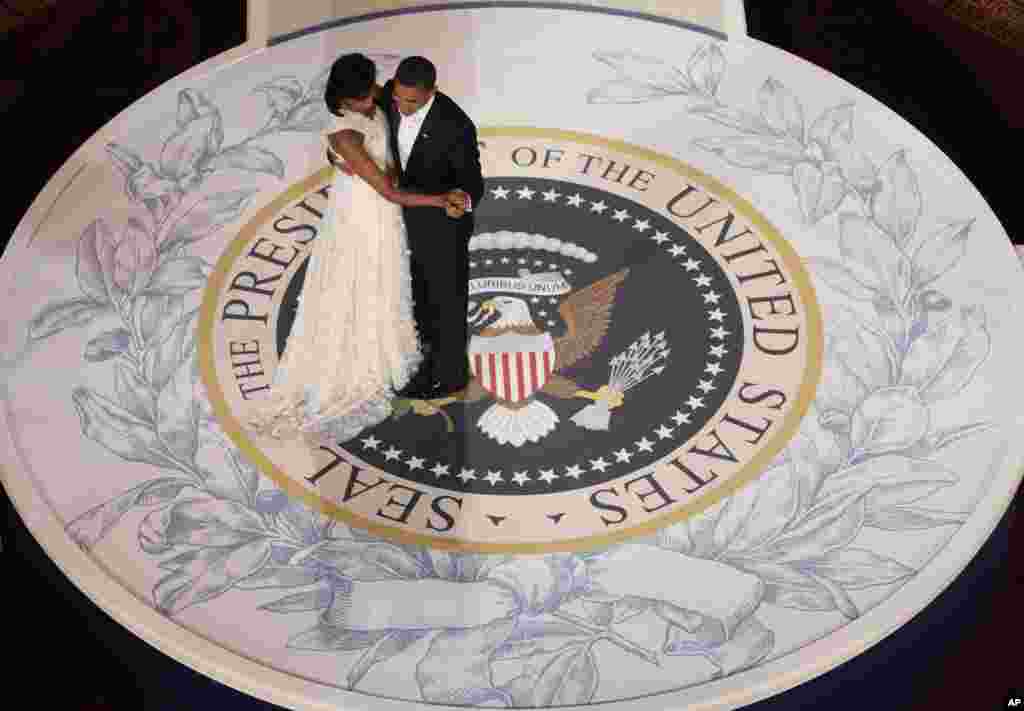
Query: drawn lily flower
(143,183)
(184,159)
(198,139)
(135,258)
(294,107)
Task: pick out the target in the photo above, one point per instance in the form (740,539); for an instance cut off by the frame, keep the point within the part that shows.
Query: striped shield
(514,373)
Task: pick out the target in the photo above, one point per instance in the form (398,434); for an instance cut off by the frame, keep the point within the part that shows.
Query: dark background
(70,70)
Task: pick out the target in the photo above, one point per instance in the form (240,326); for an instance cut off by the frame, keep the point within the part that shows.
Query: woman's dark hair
(352,77)
(417,72)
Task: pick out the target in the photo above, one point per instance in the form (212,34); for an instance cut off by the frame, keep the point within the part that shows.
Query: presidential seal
(643,343)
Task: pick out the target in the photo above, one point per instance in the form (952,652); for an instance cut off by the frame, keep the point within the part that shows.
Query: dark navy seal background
(658,296)
(85,60)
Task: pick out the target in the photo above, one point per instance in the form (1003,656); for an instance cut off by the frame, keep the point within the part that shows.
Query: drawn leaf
(298,520)
(56,317)
(107,345)
(306,601)
(94,524)
(126,160)
(168,354)
(889,420)
(837,276)
(943,360)
(819,190)
(226,474)
(178,276)
(941,251)
(887,480)
(781,110)
(177,413)
(747,646)
(912,518)
(928,481)
(865,350)
(829,525)
(854,164)
(154,315)
(786,586)
(247,157)
(944,438)
(133,393)
(650,71)
(325,638)
(205,573)
(274,575)
(94,262)
(873,257)
(568,679)
(773,501)
(856,569)
(457,666)
(897,204)
(539,636)
(767,154)
(364,560)
(522,691)
(117,429)
(835,123)
(391,645)
(624,91)
(208,215)
(205,521)
(733,118)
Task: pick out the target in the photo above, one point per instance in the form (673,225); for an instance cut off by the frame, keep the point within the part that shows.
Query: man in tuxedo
(435,143)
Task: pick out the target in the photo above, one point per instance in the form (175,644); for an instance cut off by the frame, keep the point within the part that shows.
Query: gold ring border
(750,471)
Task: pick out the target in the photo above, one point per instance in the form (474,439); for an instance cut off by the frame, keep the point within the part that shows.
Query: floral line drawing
(862,456)
(539,629)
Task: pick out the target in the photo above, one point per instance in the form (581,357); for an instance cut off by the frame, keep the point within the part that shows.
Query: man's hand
(457,201)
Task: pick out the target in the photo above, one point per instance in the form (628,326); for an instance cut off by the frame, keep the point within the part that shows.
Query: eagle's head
(511,312)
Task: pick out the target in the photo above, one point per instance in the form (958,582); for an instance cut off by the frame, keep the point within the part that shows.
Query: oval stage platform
(767,410)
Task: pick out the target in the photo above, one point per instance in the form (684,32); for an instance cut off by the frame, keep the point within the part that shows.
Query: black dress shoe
(447,389)
(417,389)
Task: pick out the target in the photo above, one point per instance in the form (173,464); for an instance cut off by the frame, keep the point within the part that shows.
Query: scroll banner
(537,285)
(711,601)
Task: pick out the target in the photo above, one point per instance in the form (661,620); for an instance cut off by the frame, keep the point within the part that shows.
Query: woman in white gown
(354,341)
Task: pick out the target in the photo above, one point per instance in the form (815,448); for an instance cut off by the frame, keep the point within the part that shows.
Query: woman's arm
(348,145)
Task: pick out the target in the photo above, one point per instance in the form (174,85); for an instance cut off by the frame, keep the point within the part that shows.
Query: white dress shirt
(409,129)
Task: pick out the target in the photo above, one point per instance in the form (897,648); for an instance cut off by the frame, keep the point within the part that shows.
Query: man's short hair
(418,72)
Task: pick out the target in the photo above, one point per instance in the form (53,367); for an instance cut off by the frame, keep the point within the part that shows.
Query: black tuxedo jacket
(445,155)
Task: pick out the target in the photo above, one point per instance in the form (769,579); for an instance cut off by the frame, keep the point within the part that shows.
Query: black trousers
(440,285)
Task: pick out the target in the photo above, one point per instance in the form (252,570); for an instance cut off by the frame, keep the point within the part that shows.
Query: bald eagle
(512,359)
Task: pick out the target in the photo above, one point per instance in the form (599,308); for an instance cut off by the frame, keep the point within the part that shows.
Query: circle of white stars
(660,437)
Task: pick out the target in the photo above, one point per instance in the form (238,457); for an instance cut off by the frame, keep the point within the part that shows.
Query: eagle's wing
(587,314)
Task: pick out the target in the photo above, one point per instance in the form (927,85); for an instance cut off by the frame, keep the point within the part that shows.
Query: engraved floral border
(862,459)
